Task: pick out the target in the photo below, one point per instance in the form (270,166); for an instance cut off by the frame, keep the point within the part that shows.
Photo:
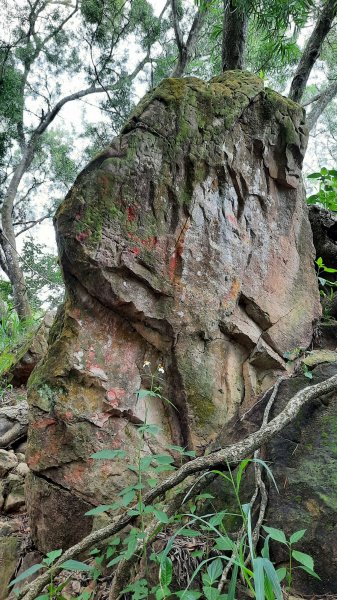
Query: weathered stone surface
(26,356)
(9,554)
(56,515)
(324,228)
(303,461)
(13,423)
(185,243)
(8,461)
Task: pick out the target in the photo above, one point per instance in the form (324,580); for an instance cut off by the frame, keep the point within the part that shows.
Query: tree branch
(30,224)
(186,50)
(230,454)
(321,103)
(312,50)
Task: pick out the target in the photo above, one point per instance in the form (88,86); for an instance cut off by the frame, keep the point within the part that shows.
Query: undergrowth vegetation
(225,562)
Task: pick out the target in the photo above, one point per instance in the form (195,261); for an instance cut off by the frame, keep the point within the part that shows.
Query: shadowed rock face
(185,243)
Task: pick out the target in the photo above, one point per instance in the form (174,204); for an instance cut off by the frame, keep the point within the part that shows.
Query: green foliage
(327,194)
(256,570)
(43,276)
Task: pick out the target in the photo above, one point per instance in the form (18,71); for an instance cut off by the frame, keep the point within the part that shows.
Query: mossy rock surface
(184,244)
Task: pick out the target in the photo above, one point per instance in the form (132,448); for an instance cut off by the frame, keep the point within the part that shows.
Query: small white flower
(146,364)
(161,369)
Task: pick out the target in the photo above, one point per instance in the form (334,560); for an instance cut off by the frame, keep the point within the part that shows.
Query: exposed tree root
(230,454)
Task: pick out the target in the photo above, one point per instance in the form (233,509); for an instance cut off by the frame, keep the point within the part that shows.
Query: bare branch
(31,224)
(321,103)
(186,50)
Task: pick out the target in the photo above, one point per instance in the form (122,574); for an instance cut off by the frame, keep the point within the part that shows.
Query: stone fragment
(20,456)
(15,499)
(13,423)
(8,461)
(317,357)
(9,554)
(187,256)
(27,356)
(22,469)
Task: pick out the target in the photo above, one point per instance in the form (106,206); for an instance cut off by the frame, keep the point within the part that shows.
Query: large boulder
(185,246)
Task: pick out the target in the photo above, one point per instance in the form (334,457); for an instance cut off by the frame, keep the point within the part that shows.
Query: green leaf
(165,572)
(214,570)
(188,595)
(223,543)
(329,270)
(310,572)
(211,593)
(297,536)
(281,573)
(115,560)
(258,578)
(314,176)
(76,565)
(152,482)
(232,585)
(163,459)
(98,510)
(108,454)
(304,559)
(189,532)
(52,556)
(143,393)
(319,262)
(160,516)
(273,578)
(43,597)
(163,468)
(27,573)
(128,498)
(276,534)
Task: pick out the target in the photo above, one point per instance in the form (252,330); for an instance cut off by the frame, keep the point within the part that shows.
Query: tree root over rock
(230,454)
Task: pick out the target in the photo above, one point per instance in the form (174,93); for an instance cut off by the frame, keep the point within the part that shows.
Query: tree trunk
(312,50)
(8,240)
(234,36)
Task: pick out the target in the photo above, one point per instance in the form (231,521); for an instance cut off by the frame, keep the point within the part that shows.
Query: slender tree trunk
(8,240)
(234,36)
(320,105)
(186,50)
(312,50)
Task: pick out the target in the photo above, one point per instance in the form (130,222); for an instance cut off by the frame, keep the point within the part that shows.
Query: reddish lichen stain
(103,180)
(83,235)
(114,395)
(43,423)
(179,248)
(232,219)
(75,474)
(34,460)
(131,215)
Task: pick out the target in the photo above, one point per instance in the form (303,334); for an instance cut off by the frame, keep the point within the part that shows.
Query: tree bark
(8,240)
(312,50)
(234,36)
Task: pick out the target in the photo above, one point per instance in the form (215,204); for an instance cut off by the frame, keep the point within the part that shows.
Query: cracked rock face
(186,244)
